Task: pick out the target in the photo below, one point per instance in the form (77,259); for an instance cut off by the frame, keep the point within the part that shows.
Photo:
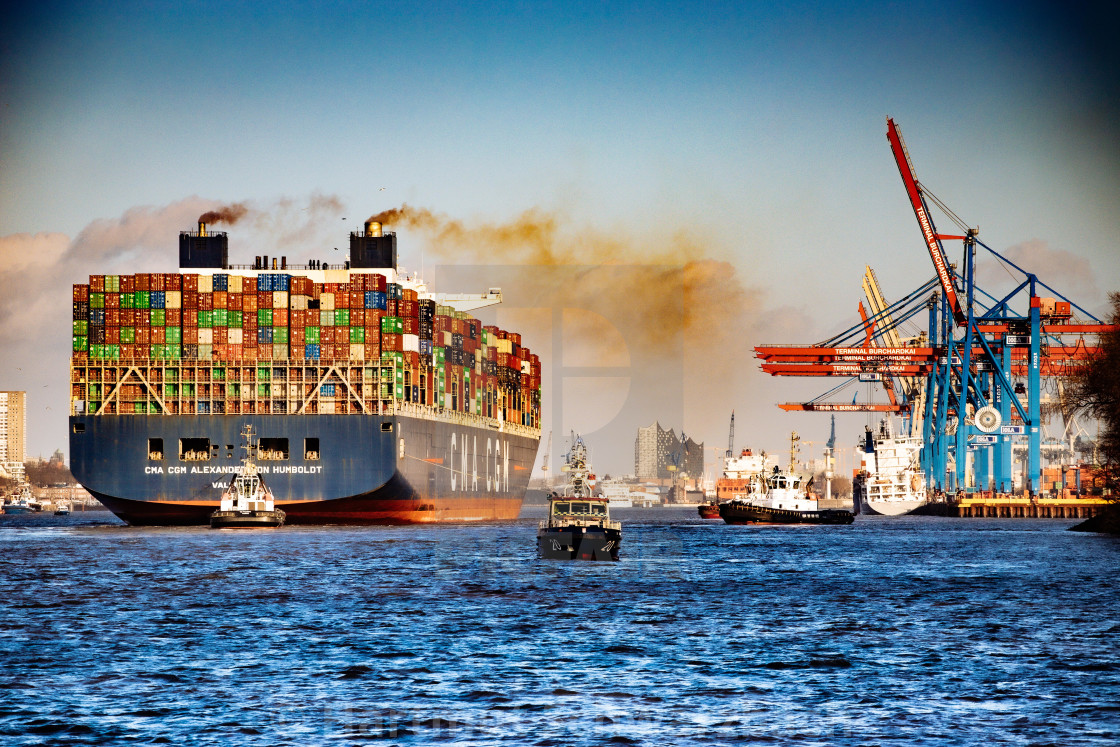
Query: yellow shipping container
(357,352)
(279,299)
(326,301)
(299,303)
(173,300)
(205,283)
(235,284)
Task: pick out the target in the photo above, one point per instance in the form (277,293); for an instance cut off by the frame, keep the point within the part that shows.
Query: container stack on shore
(280,343)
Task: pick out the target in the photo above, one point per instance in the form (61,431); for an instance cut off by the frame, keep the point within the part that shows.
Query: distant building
(13,427)
(657,449)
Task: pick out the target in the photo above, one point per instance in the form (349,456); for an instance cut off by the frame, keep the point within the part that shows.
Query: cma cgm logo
(465,474)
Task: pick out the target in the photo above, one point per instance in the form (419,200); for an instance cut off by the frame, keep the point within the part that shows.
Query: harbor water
(904,631)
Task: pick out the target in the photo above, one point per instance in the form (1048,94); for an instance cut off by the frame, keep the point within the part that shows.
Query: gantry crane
(957,385)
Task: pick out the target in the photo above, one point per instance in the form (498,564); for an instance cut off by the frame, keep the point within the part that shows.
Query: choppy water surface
(891,631)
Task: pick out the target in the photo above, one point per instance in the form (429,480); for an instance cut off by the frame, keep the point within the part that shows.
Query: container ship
(375,400)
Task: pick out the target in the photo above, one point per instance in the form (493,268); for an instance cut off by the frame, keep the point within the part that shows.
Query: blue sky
(756,130)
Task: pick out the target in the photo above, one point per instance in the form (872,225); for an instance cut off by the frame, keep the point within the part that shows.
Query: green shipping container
(342,317)
(221,318)
(159,317)
(81,327)
(280,336)
(233,391)
(392,325)
(264,373)
(236,319)
(126,301)
(262,390)
(174,335)
(311,335)
(143,300)
(112,283)
(264,317)
(97,300)
(128,335)
(80,343)
(357,335)
(205,319)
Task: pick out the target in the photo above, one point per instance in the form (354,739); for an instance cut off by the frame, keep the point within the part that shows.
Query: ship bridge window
(311,449)
(272,449)
(561,508)
(194,449)
(598,509)
(581,508)
(155,449)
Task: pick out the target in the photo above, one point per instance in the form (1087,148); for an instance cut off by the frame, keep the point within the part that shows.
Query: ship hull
(576,543)
(737,512)
(891,508)
(363,469)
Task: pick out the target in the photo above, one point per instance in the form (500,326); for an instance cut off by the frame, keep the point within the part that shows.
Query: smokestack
(373,228)
(201,228)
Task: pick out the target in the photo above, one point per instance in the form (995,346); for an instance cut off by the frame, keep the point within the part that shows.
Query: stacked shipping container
(243,333)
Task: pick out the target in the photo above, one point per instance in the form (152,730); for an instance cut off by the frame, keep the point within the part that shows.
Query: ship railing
(617,525)
(461,418)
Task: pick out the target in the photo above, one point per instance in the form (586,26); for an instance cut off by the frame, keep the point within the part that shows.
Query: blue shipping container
(158,299)
(281,282)
(311,351)
(376,300)
(221,282)
(264,335)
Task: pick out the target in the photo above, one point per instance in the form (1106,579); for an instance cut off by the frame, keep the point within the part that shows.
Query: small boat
(20,501)
(247,503)
(708,510)
(578,525)
(63,509)
(784,501)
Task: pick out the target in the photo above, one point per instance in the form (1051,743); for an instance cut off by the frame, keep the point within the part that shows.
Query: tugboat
(20,501)
(709,510)
(781,499)
(247,502)
(62,510)
(578,525)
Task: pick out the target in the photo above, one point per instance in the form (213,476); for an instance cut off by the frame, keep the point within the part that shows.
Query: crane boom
(731,437)
(925,223)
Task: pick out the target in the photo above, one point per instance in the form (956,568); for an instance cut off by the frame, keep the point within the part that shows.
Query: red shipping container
(248,352)
(221,335)
(235,352)
(81,292)
(412,360)
(190,335)
(190,300)
(249,286)
(159,335)
(205,301)
(298,336)
(220,299)
(264,352)
(190,283)
(174,317)
(264,299)
(97,283)
(112,335)
(112,317)
(408,294)
(112,300)
(372,350)
(391,342)
(143,335)
(249,302)
(234,301)
(411,325)
(409,308)
(279,317)
(357,317)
